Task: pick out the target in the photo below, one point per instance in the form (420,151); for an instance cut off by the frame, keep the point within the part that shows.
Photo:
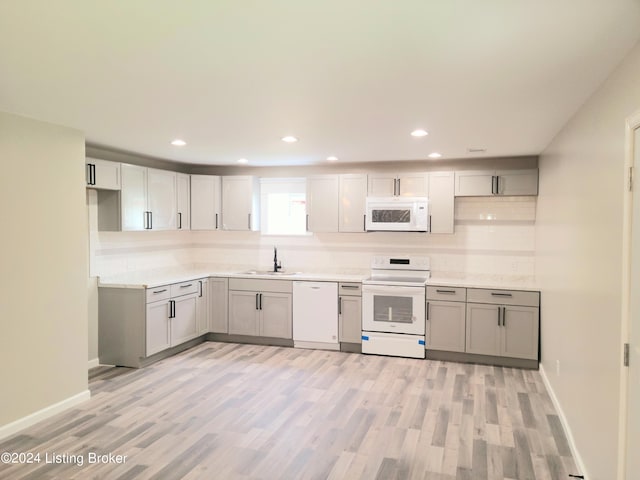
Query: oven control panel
(400,262)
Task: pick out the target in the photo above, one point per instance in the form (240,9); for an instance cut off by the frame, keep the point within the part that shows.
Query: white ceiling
(350,78)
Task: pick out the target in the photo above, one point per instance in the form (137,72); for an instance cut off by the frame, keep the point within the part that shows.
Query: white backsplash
(494,236)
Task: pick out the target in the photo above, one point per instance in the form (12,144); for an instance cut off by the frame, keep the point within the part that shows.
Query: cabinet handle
(504,316)
(429,225)
(499,310)
(216,221)
(179,220)
(497,184)
(364,222)
(88,173)
(172,309)
(200,282)
(497,294)
(150,220)
(445,291)
(257,305)
(427,310)
(249,216)
(339,305)
(307,223)
(159,291)
(349,286)
(260,301)
(493,184)
(399,191)
(186,286)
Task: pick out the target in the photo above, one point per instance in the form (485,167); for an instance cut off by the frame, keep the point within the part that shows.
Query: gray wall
(43,310)
(579,265)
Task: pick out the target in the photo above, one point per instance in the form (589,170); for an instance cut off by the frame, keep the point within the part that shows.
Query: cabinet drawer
(503,297)
(452,294)
(346,289)
(158,293)
(185,288)
(259,285)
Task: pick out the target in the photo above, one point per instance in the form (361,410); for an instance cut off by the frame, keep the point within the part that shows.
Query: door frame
(631,124)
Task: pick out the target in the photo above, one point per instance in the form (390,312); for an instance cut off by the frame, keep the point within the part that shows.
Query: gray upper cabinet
(183,184)
(353,202)
(441,202)
(398,185)
(478,183)
(322,203)
(240,203)
(205,202)
(102,174)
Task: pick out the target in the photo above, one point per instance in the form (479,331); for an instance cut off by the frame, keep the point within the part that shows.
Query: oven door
(393,309)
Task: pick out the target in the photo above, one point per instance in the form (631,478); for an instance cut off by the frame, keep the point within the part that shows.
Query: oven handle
(392,289)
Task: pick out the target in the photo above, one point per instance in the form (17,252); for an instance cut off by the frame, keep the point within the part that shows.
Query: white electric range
(393,306)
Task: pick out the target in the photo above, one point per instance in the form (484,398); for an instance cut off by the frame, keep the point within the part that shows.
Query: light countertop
(156,278)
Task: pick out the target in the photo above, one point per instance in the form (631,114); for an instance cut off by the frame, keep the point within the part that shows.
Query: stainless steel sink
(269,272)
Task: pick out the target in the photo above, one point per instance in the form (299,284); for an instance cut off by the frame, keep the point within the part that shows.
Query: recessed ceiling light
(178,143)
(419,133)
(243,160)
(434,155)
(289,139)
(476,150)
(332,158)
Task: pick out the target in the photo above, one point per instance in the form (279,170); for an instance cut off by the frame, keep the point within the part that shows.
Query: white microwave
(397,214)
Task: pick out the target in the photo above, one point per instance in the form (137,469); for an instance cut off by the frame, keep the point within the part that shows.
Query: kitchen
(571,248)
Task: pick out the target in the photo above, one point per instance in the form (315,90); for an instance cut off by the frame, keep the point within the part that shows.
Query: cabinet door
(184,324)
(218,312)
(322,203)
(275,315)
(413,185)
(350,319)
(382,185)
(133,197)
(520,332)
(162,200)
(474,183)
(243,313)
(183,185)
(240,195)
(446,326)
(518,182)
(157,327)
(103,174)
(483,331)
(353,199)
(441,202)
(205,202)
(203,311)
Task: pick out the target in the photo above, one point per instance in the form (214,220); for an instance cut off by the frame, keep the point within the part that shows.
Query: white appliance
(397,214)
(315,315)
(393,306)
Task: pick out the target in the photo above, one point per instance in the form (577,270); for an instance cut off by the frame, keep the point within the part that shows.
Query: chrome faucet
(276,265)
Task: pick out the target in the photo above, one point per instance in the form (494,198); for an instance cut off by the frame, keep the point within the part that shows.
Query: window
(283,206)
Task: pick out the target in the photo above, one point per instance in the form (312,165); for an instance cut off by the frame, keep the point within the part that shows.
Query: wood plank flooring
(229,411)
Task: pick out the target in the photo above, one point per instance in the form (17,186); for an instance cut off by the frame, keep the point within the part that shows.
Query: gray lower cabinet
(260,308)
(505,324)
(136,323)
(203,311)
(446,314)
(218,305)
(350,312)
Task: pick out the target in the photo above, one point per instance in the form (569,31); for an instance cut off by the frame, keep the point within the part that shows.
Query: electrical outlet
(558,367)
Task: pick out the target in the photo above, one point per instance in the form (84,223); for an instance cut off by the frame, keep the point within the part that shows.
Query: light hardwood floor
(229,411)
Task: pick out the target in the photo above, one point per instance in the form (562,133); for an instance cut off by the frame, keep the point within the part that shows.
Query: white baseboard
(51,410)
(94,363)
(565,425)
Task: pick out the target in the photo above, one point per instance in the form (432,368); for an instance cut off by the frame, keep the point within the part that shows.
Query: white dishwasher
(315,315)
